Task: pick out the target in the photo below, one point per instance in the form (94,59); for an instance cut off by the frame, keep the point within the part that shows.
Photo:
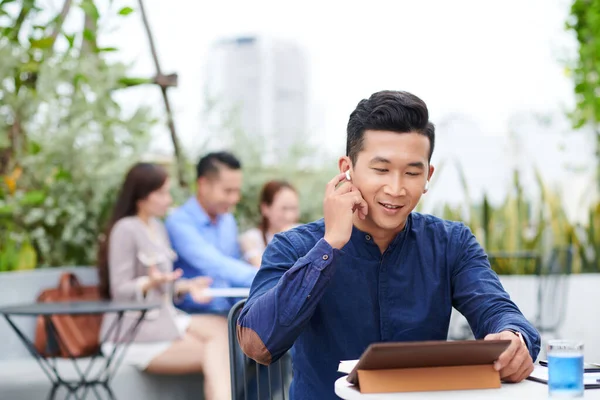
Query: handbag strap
(69,284)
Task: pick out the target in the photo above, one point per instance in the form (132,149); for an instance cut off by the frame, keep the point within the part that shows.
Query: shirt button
(368,237)
(325,257)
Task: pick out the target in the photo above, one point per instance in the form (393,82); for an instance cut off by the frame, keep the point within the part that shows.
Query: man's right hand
(339,206)
(196,287)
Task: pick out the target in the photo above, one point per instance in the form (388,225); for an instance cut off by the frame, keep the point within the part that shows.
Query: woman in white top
(135,262)
(279,209)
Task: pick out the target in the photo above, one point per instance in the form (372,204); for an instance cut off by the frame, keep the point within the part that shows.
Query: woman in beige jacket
(136,263)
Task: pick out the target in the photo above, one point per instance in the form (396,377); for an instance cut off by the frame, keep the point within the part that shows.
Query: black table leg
(84,382)
(52,391)
(48,368)
(109,391)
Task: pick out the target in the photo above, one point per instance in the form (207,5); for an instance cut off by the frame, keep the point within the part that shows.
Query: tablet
(395,355)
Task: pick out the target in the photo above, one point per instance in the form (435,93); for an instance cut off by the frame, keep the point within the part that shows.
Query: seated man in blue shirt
(204,233)
(373,270)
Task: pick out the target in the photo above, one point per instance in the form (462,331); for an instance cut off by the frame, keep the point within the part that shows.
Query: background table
(85,379)
(524,390)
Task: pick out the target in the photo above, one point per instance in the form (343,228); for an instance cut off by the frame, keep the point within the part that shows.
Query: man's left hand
(515,363)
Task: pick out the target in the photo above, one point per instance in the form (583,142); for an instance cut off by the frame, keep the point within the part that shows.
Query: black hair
(388,110)
(209,165)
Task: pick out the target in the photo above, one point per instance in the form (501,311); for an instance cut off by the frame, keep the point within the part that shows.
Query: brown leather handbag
(77,334)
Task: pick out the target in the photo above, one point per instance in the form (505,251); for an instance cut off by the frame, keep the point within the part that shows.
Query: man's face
(391,172)
(219,194)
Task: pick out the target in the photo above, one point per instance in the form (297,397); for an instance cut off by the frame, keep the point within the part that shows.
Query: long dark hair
(267,196)
(141,180)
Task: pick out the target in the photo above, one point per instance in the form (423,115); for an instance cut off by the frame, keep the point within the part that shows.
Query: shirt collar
(359,236)
(402,234)
(196,210)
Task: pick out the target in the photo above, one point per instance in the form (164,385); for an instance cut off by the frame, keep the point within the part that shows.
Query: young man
(372,270)
(204,233)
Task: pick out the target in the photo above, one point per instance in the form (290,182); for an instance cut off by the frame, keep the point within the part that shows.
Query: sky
(484,68)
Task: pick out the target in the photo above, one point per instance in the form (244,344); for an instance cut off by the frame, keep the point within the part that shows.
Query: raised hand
(157,278)
(339,205)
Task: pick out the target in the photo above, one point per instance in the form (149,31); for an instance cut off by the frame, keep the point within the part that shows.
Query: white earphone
(427,185)
(348,175)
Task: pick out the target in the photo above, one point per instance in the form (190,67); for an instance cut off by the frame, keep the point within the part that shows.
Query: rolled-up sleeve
(284,296)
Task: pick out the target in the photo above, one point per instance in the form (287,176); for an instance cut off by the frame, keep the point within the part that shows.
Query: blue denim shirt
(210,249)
(331,304)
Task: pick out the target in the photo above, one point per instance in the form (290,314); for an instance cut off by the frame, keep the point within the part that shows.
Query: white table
(524,390)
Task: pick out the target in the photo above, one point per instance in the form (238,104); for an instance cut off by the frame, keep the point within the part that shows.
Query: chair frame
(243,369)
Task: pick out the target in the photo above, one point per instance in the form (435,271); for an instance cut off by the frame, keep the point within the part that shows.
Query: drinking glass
(565,368)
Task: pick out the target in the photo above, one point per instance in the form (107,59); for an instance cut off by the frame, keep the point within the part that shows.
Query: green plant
(584,23)
(66,141)
(521,224)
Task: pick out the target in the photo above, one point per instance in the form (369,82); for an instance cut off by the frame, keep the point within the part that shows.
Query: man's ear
(431,169)
(344,164)
(201,184)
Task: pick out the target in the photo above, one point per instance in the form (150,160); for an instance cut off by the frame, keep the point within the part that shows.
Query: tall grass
(521,223)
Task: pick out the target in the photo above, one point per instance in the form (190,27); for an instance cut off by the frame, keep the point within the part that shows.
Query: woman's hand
(157,278)
(196,287)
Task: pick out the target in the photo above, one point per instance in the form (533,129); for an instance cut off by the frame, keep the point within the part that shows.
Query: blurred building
(266,81)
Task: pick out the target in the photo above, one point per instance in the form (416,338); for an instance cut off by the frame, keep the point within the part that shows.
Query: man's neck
(211,216)
(381,237)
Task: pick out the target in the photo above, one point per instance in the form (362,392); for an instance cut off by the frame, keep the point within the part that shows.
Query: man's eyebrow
(417,164)
(378,159)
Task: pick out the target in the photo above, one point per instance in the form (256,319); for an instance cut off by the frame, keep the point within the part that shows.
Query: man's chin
(390,224)
(226,210)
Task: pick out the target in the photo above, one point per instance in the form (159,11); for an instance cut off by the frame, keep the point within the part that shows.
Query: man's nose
(395,187)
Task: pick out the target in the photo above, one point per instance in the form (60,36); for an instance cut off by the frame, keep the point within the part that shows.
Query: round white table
(524,390)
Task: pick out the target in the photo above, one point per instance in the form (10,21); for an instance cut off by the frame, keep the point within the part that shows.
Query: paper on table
(346,366)
(227,292)
(540,374)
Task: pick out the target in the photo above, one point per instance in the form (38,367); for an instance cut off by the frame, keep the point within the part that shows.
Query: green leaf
(89,35)
(79,78)
(130,81)
(43,43)
(33,198)
(8,257)
(6,210)
(90,9)
(30,66)
(107,49)
(64,175)
(34,147)
(125,11)
(26,258)
(70,39)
